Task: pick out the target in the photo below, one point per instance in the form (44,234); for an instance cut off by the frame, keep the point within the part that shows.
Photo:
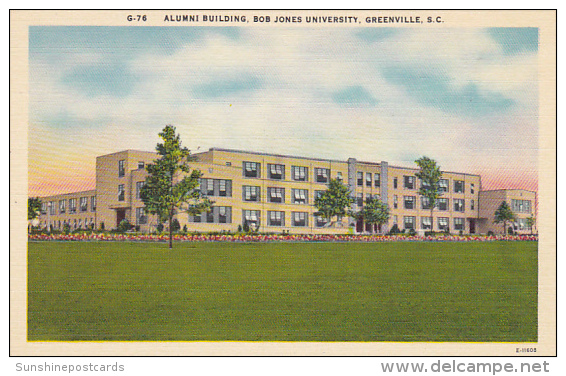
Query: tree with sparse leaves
(171,185)
(333,202)
(374,212)
(429,173)
(503,214)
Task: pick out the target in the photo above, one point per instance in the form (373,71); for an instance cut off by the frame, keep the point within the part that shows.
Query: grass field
(398,291)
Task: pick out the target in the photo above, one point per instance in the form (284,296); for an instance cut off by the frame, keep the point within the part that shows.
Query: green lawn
(398,291)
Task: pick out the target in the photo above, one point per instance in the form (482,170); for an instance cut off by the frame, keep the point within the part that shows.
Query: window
(408,222)
(209,215)
(368,179)
(459,205)
(322,175)
(207,187)
(53,207)
(141,218)
(121,168)
(521,206)
(251,169)
(424,184)
(409,182)
(368,197)
(139,186)
(276,171)
(443,224)
(425,203)
(443,204)
(377,180)
(275,194)
(83,204)
(360,199)
(276,218)
(300,219)
(224,188)
(360,178)
(196,218)
(80,223)
(443,185)
(92,203)
(459,224)
(141,165)
(426,223)
(395,202)
(472,205)
(251,193)
(472,188)
(300,196)
(459,186)
(44,208)
(121,192)
(521,224)
(339,176)
(224,214)
(395,219)
(318,193)
(72,205)
(251,217)
(320,221)
(299,173)
(395,184)
(409,202)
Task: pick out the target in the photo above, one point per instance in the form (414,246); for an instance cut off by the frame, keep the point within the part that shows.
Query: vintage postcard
(361,183)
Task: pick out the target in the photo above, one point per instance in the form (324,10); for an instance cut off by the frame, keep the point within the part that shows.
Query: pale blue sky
(465,97)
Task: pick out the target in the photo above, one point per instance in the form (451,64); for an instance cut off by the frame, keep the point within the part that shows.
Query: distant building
(276,193)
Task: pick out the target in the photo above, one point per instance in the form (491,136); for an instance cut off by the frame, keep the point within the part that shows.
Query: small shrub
(124,226)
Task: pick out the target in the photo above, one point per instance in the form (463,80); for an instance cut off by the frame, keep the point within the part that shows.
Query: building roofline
(507,189)
(276,155)
(70,193)
(127,151)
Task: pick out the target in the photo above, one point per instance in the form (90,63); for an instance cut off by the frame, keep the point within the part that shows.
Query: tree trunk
(170,232)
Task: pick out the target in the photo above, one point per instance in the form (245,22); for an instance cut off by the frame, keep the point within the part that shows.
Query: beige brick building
(275,193)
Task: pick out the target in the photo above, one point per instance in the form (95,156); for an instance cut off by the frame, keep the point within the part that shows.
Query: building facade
(276,193)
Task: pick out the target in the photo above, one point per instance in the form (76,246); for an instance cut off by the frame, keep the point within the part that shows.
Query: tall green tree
(34,208)
(503,214)
(333,202)
(429,173)
(171,185)
(374,212)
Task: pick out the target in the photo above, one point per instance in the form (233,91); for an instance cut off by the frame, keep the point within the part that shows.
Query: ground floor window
(426,223)
(276,218)
(443,223)
(459,224)
(251,217)
(141,218)
(409,222)
(321,221)
(300,219)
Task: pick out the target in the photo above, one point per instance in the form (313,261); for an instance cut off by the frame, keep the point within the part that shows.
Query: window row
(122,167)
(278,172)
(409,182)
(371,179)
(217,214)
(443,223)
(74,224)
(442,204)
(252,193)
(521,206)
(278,219)
(60,207)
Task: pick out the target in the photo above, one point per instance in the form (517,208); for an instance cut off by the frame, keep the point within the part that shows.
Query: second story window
(121,168)
(472,188)
(276,171)
(276,194)
(425,203)
(83,204)
(368,179)
(409,182)
(72,205)
(360,178)
(339,176)
(139,186)
(93,203)
(442,204)
(395,202)
(377,180)
(409,202)
(141,165)
(322,175)
(250,193)
(395,183)
(61,206)
(121,192)
(252,169)
(299,173)
(459,205)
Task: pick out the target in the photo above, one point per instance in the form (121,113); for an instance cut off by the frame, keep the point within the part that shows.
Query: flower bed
(275,238)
